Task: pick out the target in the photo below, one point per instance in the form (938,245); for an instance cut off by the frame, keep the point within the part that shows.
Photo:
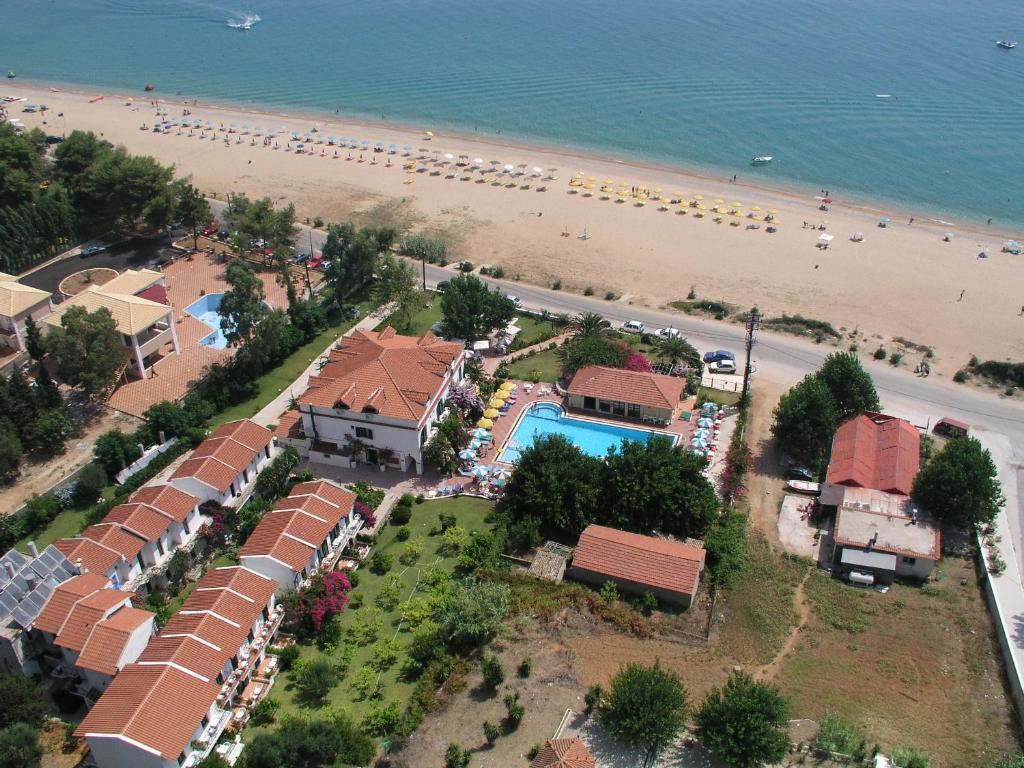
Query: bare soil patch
(77,282)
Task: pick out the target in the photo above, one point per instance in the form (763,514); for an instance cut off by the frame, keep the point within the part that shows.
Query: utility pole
(753,322)
(423,259)
(309,287)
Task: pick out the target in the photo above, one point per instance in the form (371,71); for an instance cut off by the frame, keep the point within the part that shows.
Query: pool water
(206,309)
(594,438)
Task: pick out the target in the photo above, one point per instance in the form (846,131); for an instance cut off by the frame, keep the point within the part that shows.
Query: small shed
(564,753)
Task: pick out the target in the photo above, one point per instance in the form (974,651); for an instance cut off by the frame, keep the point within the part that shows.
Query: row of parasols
(641,194)
(499,404)
(704,440)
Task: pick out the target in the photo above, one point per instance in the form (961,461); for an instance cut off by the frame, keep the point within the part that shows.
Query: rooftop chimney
(33,549)
(11,573)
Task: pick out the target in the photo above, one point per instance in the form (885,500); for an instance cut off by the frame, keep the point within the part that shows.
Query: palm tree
(588,324)
(676,350)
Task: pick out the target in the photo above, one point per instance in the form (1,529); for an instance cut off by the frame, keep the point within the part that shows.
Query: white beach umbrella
(449,156)
(509,167)
(538,171)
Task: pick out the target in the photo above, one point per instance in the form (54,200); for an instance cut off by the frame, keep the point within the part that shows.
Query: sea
(908,103)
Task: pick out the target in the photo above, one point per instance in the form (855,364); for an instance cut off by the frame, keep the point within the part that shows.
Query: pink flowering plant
(325,597)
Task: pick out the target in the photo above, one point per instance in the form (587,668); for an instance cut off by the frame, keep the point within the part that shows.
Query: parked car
(798,472)
(92,250)
(211,229)
(632,326)
(517,301)
(301,258)
(317,261)
(722,366)
(441,286)
(223,234)
(719,355)
(668,333)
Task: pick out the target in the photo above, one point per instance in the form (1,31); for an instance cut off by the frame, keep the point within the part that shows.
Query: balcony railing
(203,745)
(247,664)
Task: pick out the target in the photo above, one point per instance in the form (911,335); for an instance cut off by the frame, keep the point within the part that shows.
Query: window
(910,561)
(233,491)
(266,450)
(423,436)
(138,559)
(185,526)
(181,758)
(589,403)
(205,721)
(245,476)
(364,433)
(634,411)
(160,546)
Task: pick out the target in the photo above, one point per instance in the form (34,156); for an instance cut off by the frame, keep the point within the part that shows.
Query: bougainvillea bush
(325,597)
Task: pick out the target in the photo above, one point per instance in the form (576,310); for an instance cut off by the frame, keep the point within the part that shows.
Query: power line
(753,322)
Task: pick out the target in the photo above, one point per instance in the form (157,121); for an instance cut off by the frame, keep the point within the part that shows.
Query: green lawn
(427,312)
(67,524)
(705,395)
(544,366)
(272,383)
(535,330)
(470,514)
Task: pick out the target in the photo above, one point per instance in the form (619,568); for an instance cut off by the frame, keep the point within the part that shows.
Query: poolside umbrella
(755,208)
(499,482)
(495,403)
(407,149)
(481,434)
(467,455)
(366,142)
(507,386)
(449,156)
(484,424)
(698,443)
(392,148)
(480,472)
(705,422)
(491,413)
(500,394)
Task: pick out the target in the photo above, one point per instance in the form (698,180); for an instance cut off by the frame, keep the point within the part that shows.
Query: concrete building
(669,570)
(379,398)
(304,534)
(146,326)
(18,303)
(170,707)
(224,467)
(646,397)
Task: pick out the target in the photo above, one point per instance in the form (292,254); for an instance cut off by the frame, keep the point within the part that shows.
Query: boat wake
(244,21)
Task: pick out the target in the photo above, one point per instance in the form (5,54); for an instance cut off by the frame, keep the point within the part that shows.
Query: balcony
(154,337)
(250,655)
(203,744)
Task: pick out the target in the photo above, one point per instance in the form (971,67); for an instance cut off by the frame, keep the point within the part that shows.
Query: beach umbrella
(300,147)
(392,148)
(537,171)
(407,149)
(366,142)
(449,156)
(481,434)
(491,413)
(736,205)
(508,386)
(429,134)
(246,128)
(719,201)
(495,403)
(508,168)
(467,455)
(500,394)
(478,161)
(484,424)
(705,422)
(480,472)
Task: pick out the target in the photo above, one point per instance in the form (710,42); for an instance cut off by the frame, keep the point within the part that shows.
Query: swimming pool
(592,437)
(206,309)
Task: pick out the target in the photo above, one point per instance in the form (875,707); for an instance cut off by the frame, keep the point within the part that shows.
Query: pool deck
(186,282)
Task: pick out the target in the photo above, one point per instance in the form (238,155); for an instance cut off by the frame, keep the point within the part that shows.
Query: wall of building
(272,569)
(664,595)
(922,569)
(661,414)
(117,752)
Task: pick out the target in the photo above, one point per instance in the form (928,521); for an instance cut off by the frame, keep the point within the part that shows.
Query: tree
(304,743)
(34,344)
(471,310)
(396,282)
(805,421)
(90,483)
(19,747)
(115,450)
(192,210)
(645,709)
(170,418)
(656,486)
(579,352)
(959,485)
(87,349)
(50,432)
(472,613)
(73,157)
(351,258)
(553,493)
(118,188)
(315,678)
(23,702)
(588,324)
(850,385)
(241,307)
(744,722)
(47,392)
(493,671)
(678,351)
(10,451)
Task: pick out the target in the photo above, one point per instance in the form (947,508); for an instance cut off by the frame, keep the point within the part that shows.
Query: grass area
(798,325)
(426,313)
(544,366)
(67,524)
(470,514)
(272,383)
(930,651)
(223,559)
(535,330)
(717,309)
(705,395)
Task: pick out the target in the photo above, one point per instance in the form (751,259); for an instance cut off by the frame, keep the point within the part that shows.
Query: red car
(211,228)
(317,261)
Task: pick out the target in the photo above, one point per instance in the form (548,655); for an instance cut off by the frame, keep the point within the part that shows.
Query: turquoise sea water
(702,85)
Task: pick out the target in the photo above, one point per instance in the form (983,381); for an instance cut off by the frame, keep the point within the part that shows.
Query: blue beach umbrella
(300,147)
(467,454)
(407,149)
(705,422)
(481,434)
(295,135)
(392,147)
(366,142)
(480,471)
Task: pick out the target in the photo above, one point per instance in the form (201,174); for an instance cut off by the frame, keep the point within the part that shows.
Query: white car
(722,366)
(517,301)
(668,333)
(632,326)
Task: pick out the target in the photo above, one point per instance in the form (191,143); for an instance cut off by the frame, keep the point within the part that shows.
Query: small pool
(206,309)
(592,437)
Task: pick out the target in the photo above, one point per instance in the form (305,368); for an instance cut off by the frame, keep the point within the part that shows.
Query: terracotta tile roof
(186,651)
(166,498)
(219,459)
(659,563)
(564,753)
(16,298)
(103,650)
(326,490)
(312,505)
(140,519)
(132,314)
(157,706)
(239,579)
(87,613)
(650,389)
(64,597)
(872,450)
(125,543)
(383,372)
(289,425)
(93,556)
(227,636)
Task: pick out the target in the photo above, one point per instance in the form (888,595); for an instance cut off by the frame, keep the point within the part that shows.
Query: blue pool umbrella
(475,445)
(343,141)
(379,145)
(330,139)
(466,454)
(258,130)
(480,471)
(481,434)
(392,147)
(705,422)
(295,135)
(407,149)
(366,143)
(246,128)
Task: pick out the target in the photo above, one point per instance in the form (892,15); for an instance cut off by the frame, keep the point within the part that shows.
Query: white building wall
(272,569)
(117,752)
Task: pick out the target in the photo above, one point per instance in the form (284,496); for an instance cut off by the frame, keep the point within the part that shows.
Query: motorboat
(761,160)
(804,486)
(1007,44)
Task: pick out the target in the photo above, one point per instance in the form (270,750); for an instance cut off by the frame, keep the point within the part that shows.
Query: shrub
(465,266)
(411,552)
(493,671)
(491,732)
(353,578)
(588,291)
(556,286)
(403,533)
(609,592)
(880,353)
(533,752)
(381,563)
(610,296)
(894,358)
(401,515)
(649,603)
(960,376)
(525,667)
(498,273)
(593,697)
(454,757)
(264,712)
(514,710)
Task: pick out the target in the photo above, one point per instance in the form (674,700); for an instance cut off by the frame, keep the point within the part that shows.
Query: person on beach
(962,294)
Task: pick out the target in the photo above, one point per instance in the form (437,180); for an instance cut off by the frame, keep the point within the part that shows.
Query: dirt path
(803,609)
(764,479)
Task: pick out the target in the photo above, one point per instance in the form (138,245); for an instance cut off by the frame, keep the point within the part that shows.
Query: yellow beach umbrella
(609,181)
(491,413)
(485,423)
(500,394)
(755,207)
(719,200)
(736,205)
(772,211)
(698,197)
(495,403)
(507,386)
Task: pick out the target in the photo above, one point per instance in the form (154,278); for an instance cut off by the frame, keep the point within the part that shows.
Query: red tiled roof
(872,450)
(658,563)
(383,372)
(564,753)
(140,519)
(211,472)
(157,293)
(185,651)
(289,425)
(125,543)
(649,389)
(103,650)
(219,459)
(248,433)
(95,557)
(157,706)
(167,499)
(86,614)
(326,490)
(57,609)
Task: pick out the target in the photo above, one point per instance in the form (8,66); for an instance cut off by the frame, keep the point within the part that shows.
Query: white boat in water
(245,23)
(1007,44)
(762,160)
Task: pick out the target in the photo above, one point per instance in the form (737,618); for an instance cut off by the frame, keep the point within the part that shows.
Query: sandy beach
(903,280)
